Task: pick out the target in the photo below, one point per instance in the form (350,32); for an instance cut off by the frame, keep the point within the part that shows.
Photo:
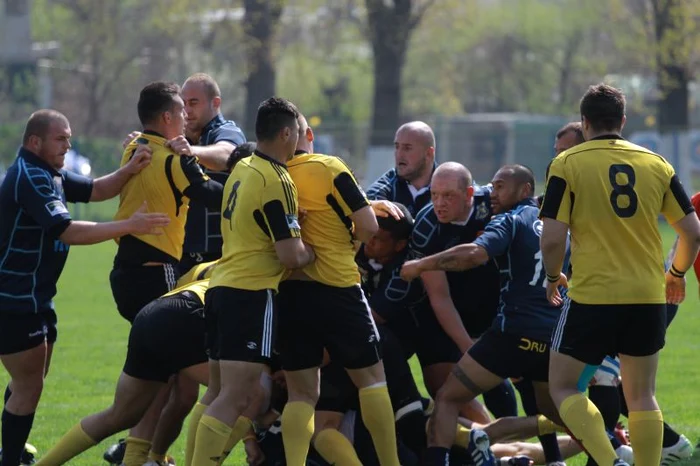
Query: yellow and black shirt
(259,209)
(165,186)
(610,192)
(201,271)
(329,193)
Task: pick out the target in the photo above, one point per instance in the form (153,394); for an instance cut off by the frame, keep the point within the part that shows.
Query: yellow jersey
(611,192)
(161,185)
(199,288)
(259,208)
(329,193)
(201,271)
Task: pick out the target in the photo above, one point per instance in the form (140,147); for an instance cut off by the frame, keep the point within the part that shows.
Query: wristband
(675,272)
(553,278)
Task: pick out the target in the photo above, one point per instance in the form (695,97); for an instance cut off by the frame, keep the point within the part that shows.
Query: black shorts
(152,355)
(314,316)
(135,286)
(241,324)
(22,332)
(589,332)
(433,345)
(508,355)
(338,393)
(190,259)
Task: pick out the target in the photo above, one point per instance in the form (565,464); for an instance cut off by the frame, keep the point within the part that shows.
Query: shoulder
(425,226)
(226,131)
(388,177)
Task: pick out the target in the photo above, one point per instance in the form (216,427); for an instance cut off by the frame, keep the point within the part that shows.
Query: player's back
(258,189)
(330,194)
(611,193)
(160,184)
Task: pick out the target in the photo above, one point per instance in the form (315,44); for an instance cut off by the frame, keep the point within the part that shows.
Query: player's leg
(549,443)
(332,445)
(213,387)
(501,401)
(23,353)
(579,345)
(183,397)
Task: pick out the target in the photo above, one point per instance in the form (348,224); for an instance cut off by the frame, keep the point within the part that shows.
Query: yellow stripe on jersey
(198,272)
(161,185)
(259,209)
(329,193)
(199,288)
(610,192)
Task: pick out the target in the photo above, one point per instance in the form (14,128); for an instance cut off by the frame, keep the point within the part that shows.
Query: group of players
(297,300)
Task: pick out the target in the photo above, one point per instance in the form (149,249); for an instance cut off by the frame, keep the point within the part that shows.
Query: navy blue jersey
(388,295)
(33,215)
(475,292)
(513,238)
(391,187)
(203,226)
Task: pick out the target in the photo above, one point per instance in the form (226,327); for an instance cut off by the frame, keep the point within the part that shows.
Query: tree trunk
(388,63)
(260,21)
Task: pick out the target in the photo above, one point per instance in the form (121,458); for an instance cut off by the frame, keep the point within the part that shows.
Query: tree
(260,22)
(390,24)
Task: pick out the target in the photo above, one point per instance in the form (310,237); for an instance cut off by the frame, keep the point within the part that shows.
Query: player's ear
(400,245)
(624,120)
(216,103)
(470,191)
(309,134)
(167,117)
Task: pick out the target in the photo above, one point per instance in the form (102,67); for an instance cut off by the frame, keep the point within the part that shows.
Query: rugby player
(337,317)
(460,305)
(262,238)
(36,231)
(408,183)
(517,344)
(619,189)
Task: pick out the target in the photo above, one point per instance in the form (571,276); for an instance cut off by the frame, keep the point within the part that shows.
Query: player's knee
(447,394)
(26,393)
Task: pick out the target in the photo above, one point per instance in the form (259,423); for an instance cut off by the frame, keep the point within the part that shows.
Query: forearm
(81,232)
(458,258)
(553,253)
(451,323)
(109,186)
(686,254)
(213,157)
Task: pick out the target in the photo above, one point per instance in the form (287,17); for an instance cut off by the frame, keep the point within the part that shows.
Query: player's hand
(144,223)
(553,294)
(675,289)
(386,209)
(127,140)
(254,455)
(180,145)
(301,215)
(411,270)
(140,159)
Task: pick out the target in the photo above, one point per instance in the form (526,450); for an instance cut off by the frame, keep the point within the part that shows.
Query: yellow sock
(72,444)
(240,428)
(646,436)
(136,452)
(378,416)
(335,448)
(212,436)
(545,426)
(586,423)
(195,416)
(462,436)
(157,457)
(297,430)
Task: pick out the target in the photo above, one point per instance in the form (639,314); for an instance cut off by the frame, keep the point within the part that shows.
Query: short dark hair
(603,107)
(155,99)
(573,127)
(240,152)
(398,229)
(39,122)
(274,114)
(521,174)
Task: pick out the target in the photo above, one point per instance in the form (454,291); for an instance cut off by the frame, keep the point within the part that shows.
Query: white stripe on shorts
(267,327)
(559,331)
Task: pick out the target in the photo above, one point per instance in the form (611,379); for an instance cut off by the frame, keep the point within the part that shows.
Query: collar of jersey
(214,123)
(531,201)
(149,132)
(603,137)
(34,159)
(267,157)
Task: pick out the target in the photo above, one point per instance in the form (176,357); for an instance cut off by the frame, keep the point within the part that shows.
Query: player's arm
(280,211)
(353,202)
(109,186)
(213,156)
(193,183)
(380,189)
(438,290)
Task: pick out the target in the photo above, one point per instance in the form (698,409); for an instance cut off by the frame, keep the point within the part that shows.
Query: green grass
(92,343)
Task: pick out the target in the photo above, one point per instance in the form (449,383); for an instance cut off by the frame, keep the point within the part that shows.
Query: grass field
(92,341)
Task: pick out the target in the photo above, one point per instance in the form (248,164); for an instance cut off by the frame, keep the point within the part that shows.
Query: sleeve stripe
(681,196)
(288,191)
(553,196)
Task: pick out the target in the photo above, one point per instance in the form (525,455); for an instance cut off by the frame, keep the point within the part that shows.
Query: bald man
(36,230)
(460,305)
(408,183)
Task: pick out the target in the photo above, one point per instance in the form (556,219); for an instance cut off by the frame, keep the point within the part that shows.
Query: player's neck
(598,134)
(423,180)
(277,154)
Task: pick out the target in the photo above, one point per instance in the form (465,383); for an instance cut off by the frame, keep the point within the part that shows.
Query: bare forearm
(451,323)
(686,253)
(553,253)
(458,258)
(213,157)
(108,186)
(81,232)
